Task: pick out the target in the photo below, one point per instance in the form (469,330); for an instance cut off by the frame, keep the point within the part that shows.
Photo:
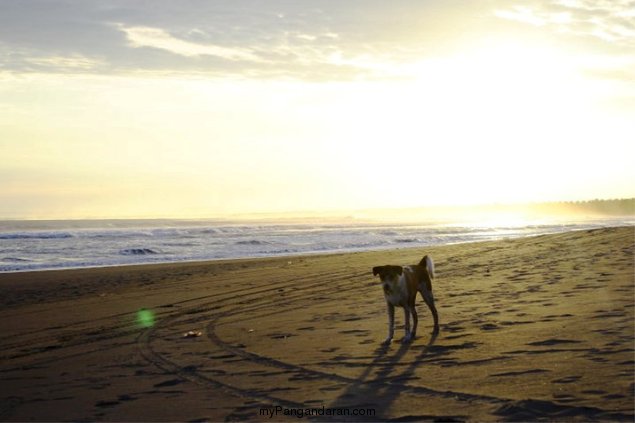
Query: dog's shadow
(379,384)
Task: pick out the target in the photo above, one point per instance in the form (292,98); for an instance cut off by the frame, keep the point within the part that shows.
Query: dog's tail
(427,262)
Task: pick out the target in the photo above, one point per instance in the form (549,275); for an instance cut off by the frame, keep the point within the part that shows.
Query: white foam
(27,246)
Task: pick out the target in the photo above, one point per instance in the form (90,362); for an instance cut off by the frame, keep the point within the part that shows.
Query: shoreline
(12,283)
(299,254)
(538,327)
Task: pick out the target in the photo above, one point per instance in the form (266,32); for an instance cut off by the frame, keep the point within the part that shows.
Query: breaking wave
(36,235)
(138,251)
(55,245)
(14,260)
(252,242)
(406,240)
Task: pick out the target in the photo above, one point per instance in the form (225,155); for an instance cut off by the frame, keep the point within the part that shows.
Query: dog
(401,285)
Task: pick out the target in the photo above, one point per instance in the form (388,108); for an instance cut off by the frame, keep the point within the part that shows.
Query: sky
(192,108)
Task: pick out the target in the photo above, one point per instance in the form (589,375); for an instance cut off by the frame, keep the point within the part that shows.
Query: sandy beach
(538,328)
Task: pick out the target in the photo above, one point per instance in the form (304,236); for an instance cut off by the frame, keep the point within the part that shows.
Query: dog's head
(388,275)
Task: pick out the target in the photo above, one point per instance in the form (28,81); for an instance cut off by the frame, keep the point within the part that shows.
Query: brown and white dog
(401,285)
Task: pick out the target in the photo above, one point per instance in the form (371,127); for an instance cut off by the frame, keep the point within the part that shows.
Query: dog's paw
(407,339)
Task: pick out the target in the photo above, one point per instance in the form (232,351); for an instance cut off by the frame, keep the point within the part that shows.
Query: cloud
(612,21)
(141,36)
(312,40)
(521,14)
(66,63)
(304,40)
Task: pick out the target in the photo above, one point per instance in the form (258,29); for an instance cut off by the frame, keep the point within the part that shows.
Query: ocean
(40,245)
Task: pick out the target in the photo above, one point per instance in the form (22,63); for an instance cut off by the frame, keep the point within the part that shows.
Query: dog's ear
(398,269)
(377,270)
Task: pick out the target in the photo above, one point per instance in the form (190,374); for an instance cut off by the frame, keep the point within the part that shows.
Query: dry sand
(539,328)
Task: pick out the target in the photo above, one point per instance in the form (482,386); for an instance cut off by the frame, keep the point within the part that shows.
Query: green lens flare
(145,318)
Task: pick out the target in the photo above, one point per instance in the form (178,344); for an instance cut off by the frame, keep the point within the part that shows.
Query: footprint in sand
(170,382)
(278,335)
(489,326)
(102,404)
(523,372)
(457,336)
(565,398)
(452,327)
(552,342)
(594,392)
(355,332)
(567,379)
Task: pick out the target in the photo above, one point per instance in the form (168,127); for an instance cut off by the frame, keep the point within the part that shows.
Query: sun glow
(507,85)
(494,119)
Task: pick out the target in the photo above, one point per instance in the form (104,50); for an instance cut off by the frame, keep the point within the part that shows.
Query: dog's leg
(406,316)
(391,323)
(410,334)
(415,322)
(429,299)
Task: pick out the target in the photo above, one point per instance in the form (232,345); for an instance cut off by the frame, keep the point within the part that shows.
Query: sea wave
(253,242)
(36,235)
(15,260)
(138,252)
(406,240)
(71,245)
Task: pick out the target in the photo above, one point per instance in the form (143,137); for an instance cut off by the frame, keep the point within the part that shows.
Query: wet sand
(539,328)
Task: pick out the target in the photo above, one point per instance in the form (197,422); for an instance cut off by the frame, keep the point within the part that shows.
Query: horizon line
(338,213)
